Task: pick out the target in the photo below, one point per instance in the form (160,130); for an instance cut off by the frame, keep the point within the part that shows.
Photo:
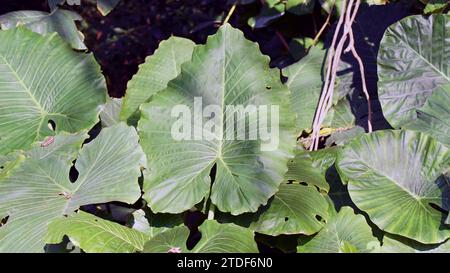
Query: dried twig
(324,26)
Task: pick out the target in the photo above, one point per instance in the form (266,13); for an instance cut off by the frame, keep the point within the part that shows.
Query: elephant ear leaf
(42,82)
(229,72)
(403,188)
(170,241)
(95,235)
(345,232)
(108,167)
(225,238)
(215,238)
(413,61)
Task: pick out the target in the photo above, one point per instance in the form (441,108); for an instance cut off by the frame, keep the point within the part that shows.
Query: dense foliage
(126,185)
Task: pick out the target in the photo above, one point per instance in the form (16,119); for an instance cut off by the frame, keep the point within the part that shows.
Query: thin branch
(230,13)
(324,26)
(211,211)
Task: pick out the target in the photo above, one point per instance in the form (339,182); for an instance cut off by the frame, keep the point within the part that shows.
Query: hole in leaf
(93,133)
(52,125)
(73,173)
(319,218)
(4,221)
(213,172)
(2,167)
(286,219)
(268,87)
(303,183)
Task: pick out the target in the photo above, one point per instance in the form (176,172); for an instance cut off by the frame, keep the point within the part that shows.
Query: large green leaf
(434,117)
(396,177)
(344,232)
(153,76)
(305,83)
(169,241)
(295,209)
(95,235)
(228,70)
(42,79)
(216,238)
(38,190)
(59,20)
(298,207)
(225,238)
(413,60)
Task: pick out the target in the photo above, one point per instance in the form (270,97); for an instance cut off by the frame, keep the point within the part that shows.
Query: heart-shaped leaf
(345,232)
(295,209)
(38,190)
(298,207)
(95,235)
(397,178)
(41,80)
(413,60)
(225,75)
(216,238)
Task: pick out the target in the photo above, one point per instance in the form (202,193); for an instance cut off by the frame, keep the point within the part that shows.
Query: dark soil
(121,40)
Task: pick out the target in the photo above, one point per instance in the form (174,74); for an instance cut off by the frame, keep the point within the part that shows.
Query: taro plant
(317,172)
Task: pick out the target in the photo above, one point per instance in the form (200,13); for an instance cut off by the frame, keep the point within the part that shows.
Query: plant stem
(230,13)
(211,211)
(324,26)
(320,112)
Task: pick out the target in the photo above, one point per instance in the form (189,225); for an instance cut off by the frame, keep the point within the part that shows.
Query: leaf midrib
(22,83)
